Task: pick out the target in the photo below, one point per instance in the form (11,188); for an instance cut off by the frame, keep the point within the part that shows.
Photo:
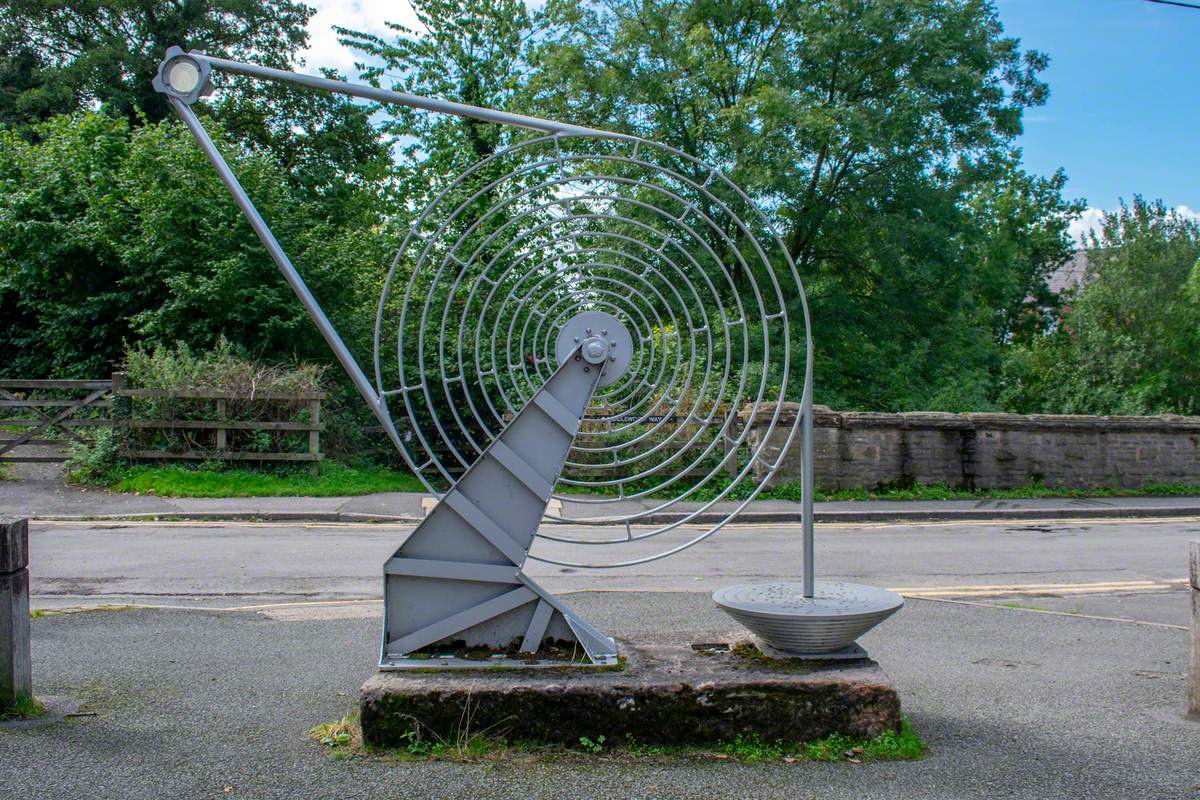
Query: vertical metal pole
(16,671)
(806,477)
(364,386)
(727,431)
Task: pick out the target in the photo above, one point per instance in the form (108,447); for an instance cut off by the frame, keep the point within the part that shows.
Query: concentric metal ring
(557,226)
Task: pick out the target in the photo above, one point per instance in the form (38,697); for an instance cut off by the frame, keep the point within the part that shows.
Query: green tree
(466,51)
(1128,338)
(109,237)
(879,133)
(107,52)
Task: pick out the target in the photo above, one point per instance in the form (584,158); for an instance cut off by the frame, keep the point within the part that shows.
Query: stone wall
(989,451)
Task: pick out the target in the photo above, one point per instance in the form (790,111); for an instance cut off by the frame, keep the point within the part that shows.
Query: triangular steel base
(457,581)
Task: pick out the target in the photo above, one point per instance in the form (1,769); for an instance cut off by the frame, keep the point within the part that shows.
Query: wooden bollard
(16,674)
(1194,665)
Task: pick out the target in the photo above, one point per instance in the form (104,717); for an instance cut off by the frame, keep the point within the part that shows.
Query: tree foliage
(71,53)
(878,135)
(1128,340)
(109,237)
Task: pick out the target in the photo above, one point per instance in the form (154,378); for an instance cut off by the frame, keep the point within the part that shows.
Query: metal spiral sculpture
(563,225)
(586,316)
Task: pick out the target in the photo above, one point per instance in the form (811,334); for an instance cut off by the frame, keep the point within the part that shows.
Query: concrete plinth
(666,693)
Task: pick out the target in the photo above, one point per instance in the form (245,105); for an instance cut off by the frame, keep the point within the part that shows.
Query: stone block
(665,694)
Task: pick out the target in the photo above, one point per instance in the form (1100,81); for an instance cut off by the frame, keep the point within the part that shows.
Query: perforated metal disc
(831,620)
(560,227)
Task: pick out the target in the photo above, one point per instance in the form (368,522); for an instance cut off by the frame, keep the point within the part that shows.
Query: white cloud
(1090,220)
(1188,213)
(369,16)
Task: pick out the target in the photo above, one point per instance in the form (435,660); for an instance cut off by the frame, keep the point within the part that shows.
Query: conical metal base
(829,622)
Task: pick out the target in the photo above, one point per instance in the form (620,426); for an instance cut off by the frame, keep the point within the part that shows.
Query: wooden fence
(57,415)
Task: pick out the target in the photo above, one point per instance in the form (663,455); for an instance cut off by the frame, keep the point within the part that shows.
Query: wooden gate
(58,413)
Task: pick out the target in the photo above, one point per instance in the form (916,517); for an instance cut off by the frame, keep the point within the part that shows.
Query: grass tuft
(887,746)
(343,734)
(344,738)
(332,480)
(25,707)
(39,613)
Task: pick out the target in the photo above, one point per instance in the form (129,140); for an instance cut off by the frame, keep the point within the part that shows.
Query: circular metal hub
(836,615)
(604,340)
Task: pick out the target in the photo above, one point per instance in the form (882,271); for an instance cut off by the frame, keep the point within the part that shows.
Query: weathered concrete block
(666,693)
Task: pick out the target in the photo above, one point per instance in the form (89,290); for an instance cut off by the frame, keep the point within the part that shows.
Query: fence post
(222,437)
(122,410)
(16,673)
(1194,665)
(314,436)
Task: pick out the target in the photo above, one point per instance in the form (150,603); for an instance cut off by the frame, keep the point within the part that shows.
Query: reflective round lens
(184,76)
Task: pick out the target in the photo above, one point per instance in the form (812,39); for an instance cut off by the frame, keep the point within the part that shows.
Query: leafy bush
(224,367)
(94,461)
(111,234)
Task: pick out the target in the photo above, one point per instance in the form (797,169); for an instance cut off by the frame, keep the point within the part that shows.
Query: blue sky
(1124,109)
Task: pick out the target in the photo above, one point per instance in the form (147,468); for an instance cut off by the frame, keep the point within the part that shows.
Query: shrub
(94,461)
(226,369)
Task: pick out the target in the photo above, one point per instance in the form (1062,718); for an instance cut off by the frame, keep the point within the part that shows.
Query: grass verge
(332,479)
(23,708)
(931,491)
(344,739)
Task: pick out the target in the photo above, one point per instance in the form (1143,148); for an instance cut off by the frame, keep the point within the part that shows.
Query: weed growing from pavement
(39,613)
(25,707)
(344,739)
(343,736)
(592,745)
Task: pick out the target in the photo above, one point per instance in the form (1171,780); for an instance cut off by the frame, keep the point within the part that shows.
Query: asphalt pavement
(195,704)
(80,563)
(1038,659)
